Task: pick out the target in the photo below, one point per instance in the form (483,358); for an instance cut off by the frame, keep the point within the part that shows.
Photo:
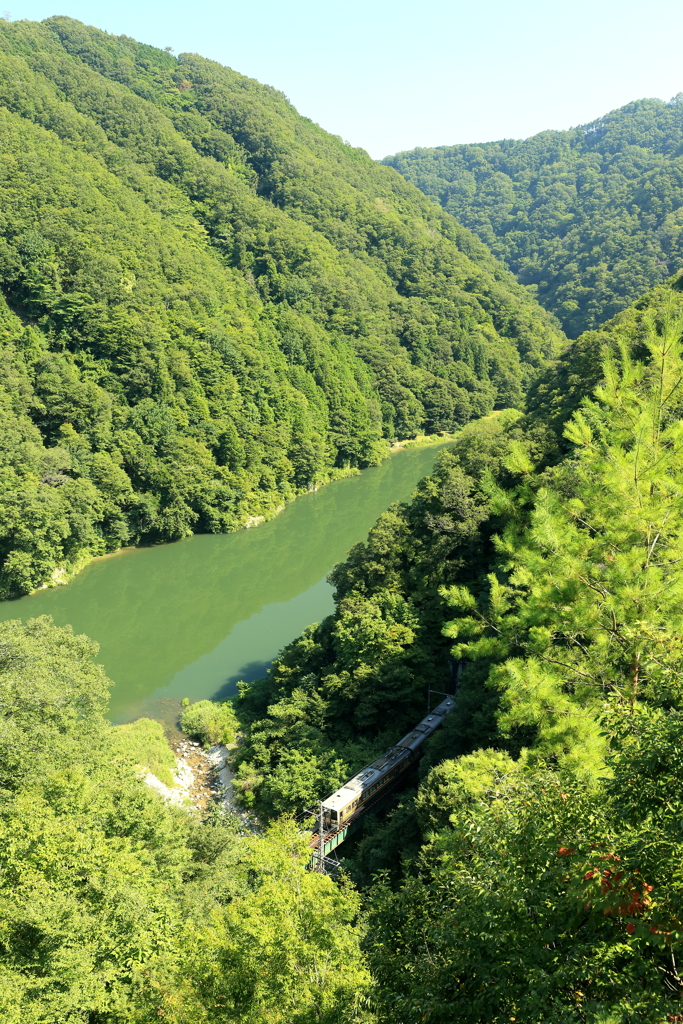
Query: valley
(233,581)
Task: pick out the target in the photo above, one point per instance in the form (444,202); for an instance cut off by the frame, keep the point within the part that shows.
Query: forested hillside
(118,908)
(591,218)
(535,873)
(208,304)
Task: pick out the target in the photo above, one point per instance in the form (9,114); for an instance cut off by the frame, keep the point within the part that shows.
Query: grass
(143,744)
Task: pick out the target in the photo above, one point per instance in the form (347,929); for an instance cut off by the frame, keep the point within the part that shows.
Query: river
(192,618)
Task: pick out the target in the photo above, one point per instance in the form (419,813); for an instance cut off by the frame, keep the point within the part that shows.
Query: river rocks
(218,755)
(202,778)
(179,794)
(195,774)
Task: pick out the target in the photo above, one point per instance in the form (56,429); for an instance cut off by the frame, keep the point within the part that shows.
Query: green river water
(192,618)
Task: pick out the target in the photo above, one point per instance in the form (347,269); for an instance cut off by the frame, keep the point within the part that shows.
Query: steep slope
(534,874)
(591,217)
(322,712)
(211,304)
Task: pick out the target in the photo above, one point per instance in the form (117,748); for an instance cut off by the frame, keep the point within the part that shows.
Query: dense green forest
(590,218)
(116,907)
(208,304)
(535,871)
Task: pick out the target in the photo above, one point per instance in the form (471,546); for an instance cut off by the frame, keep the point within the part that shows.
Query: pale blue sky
(390,76)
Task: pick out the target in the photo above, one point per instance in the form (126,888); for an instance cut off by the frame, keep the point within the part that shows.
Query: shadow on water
(254,670)
(167,709)
(192,618)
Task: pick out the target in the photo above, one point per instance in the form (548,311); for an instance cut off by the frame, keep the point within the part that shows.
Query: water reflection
(191,618)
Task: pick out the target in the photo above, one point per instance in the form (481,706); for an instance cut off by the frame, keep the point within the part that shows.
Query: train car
(379,776)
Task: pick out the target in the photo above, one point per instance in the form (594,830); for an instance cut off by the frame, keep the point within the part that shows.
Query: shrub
(211,721)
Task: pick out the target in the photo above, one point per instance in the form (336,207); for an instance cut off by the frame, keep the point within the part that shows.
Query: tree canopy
(119,908)
(209,305)
(533,873)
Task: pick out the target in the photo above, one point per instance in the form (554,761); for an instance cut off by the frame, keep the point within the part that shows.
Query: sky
(390,76)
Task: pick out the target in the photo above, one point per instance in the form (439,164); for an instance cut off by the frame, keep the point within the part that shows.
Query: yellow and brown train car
(379,776)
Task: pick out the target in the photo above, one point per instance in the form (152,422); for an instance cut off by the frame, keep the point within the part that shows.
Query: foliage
(285,948)
(590,218)
(551,887)
(210,305)
(207,306)
(535,873)
(581,630)
(53,699)
(354,684)
(143,744)
(211,721)
(535,903)
(116,906)
(585,599)
(561,389)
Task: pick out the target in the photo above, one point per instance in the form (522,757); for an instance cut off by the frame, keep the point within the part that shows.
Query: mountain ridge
(590,217)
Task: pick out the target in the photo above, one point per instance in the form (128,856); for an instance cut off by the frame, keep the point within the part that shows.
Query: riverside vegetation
(533,872)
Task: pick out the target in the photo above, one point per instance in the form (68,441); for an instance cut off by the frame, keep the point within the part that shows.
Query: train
(377,778)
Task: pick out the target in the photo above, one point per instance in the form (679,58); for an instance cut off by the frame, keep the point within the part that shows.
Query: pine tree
(585,603)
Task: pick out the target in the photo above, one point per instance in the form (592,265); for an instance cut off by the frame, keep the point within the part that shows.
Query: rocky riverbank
(202,778)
